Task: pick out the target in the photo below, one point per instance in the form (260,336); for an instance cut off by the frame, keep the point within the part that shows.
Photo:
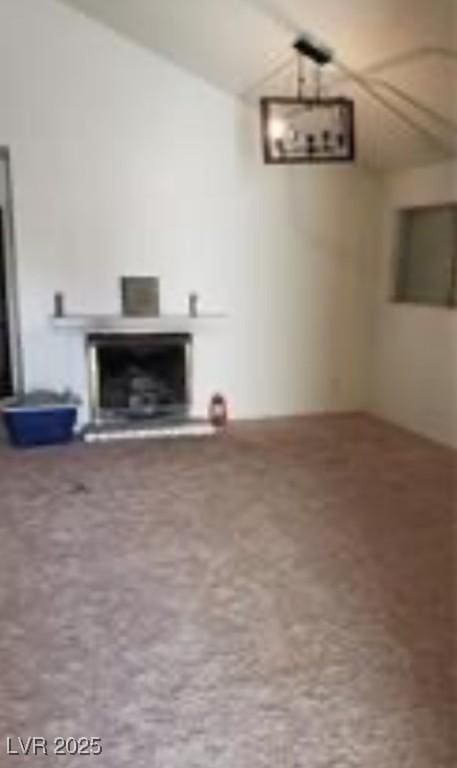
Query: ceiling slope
(234,44)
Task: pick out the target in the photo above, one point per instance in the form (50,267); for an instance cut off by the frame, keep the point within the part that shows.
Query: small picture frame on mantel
(140,296)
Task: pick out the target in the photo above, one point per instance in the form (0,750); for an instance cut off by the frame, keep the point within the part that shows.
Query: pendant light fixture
(308,128)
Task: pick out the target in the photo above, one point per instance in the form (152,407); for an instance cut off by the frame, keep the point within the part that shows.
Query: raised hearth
(146,430)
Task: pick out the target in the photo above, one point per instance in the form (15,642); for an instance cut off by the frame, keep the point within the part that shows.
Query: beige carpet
(281,597)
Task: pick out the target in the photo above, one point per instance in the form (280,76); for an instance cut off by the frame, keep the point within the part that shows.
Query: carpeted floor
(280,597)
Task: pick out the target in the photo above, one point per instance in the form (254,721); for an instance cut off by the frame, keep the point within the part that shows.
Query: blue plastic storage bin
(44,425)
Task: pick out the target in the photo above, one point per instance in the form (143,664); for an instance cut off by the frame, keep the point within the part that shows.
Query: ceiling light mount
(306,46)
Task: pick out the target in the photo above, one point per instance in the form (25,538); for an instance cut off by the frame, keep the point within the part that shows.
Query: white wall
(124,164)
(415,351)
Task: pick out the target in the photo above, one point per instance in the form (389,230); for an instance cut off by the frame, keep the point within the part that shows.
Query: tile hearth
(149,429)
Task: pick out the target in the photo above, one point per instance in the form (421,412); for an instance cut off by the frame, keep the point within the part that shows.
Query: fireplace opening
(139,376)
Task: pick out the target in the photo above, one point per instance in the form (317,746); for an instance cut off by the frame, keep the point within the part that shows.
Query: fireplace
(139,376)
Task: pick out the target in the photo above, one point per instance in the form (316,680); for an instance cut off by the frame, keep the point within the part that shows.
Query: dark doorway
(6,383)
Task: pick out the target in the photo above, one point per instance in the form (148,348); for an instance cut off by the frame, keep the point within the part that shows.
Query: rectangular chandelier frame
(329,143)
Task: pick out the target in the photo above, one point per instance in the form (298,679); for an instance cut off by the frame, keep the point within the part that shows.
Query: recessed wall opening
(426,258)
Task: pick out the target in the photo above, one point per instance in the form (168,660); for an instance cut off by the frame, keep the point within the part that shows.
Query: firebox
(139,376)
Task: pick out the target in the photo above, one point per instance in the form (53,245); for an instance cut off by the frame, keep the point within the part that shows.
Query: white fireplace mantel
(120,324)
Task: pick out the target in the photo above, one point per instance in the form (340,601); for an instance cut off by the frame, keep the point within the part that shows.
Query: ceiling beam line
(403,95)
(398,60)
(383,101)
(407,57)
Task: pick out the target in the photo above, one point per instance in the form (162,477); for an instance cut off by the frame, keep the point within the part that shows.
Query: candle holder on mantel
(193,304)
(59,304)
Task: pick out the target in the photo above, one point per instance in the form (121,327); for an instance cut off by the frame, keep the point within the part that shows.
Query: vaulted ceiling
(406,51)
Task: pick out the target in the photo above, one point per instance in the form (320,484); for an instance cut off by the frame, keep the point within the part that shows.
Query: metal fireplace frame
(93,372)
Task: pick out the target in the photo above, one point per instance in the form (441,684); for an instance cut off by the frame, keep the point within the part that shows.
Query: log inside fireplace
(139,376)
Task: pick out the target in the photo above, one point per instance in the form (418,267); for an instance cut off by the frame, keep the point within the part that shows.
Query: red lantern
(217,410)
